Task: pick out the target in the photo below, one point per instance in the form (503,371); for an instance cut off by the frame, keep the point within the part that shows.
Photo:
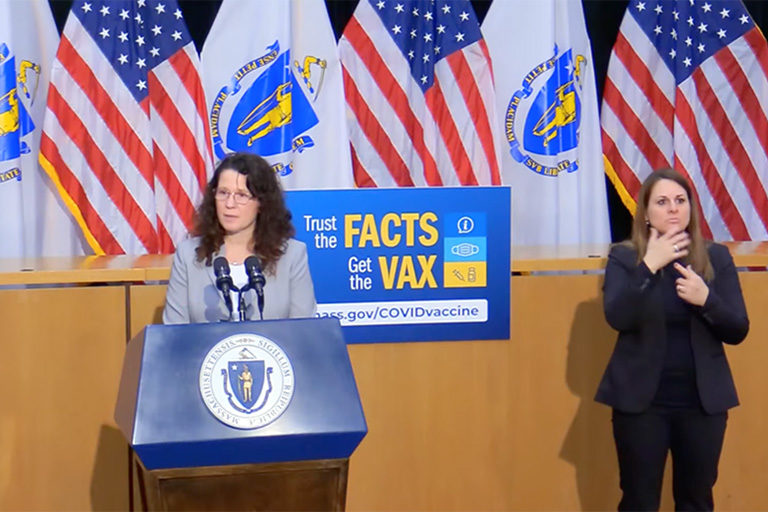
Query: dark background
(603,18)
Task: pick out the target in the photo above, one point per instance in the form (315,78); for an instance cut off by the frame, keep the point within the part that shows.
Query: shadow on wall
(589,444)
(109,481)
(157,317)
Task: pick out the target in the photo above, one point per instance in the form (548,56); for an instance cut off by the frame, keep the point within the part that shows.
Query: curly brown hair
(273,225)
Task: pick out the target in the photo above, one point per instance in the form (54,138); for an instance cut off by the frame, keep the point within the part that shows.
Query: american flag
(419,90)
(125,137)
(687,87)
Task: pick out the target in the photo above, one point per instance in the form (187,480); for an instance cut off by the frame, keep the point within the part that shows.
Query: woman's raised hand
(690,286)
(666,248)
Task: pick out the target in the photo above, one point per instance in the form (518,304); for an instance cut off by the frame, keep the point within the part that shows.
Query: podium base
(305,485)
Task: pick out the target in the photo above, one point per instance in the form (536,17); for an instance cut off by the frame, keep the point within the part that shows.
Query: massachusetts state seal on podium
(246,381)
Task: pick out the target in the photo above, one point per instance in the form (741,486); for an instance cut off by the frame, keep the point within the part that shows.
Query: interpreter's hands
(690,286)
(666,248)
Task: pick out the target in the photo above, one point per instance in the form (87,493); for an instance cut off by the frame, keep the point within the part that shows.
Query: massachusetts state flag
(273,81)
(125,137)
(687,87)
(420,97)
(34,223)
(549,127)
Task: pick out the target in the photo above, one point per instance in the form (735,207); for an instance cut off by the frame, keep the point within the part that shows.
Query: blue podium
(248,416)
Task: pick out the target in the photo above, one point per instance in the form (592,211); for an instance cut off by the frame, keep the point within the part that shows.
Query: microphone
(256,280)
(224,281)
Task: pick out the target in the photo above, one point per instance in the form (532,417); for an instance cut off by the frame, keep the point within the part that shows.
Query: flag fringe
(71,205)
(625,196)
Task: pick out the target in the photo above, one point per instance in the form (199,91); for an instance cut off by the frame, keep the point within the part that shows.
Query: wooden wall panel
(62,352)
(146,306)
(491,425)
(744,463)
(513,425)
(484,425)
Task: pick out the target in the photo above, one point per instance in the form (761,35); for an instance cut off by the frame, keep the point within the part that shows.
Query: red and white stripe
(401,137)
(713,128)
(132,173)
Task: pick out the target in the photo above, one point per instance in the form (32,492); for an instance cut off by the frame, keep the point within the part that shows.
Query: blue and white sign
(410,264)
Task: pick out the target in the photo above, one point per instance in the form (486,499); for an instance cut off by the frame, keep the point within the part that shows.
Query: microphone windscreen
(252,265)
(221,266)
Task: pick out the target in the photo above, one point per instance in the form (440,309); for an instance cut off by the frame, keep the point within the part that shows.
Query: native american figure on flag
(545,115)
(9,119)
(563,111)
(271,113)
(41,224)
(15,122)
(273,81)
(546,96)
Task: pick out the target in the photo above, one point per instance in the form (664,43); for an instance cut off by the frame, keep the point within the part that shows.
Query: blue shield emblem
(551,126)
(15,122)
(246,379)
(271,113)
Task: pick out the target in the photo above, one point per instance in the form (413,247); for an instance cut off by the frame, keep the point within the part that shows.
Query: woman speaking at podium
(675,299)
(243,240)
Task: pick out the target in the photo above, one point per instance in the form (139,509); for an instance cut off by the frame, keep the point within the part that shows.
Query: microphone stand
(241,303)
(260,300)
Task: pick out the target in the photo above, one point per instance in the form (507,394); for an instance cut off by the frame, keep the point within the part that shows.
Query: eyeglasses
(240,197)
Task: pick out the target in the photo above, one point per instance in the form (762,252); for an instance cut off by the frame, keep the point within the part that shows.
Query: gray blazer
(192,296)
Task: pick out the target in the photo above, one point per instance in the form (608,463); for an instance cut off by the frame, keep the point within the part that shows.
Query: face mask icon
(465,249)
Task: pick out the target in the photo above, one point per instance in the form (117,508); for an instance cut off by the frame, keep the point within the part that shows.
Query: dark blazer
(634,306)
